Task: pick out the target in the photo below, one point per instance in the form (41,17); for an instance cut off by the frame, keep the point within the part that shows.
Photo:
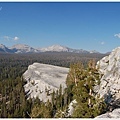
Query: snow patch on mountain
(59,48)
(3,48)
(21,48)
(55,48)
(93,51)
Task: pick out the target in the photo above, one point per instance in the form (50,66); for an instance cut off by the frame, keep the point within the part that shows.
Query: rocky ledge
(114,114)
(109,88)
(42,79)
(109,68)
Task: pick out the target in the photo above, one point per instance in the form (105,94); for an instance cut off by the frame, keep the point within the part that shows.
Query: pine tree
(60,95)
(42,110)
(53,98)
(83,91)
(73,76)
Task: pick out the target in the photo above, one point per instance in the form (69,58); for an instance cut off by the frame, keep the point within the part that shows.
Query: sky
(79,25)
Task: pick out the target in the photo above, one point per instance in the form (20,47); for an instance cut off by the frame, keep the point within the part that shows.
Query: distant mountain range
(21,48)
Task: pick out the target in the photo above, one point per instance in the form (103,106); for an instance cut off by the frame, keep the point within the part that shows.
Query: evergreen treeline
(80,82)
(53,58)
(13,102)
(80,87)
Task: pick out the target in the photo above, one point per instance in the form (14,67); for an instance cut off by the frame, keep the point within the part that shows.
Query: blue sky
(81,25)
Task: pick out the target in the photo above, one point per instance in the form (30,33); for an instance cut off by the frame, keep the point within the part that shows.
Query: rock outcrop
(42,79)
(71,108)
(109,88)
(114,114)
(109,68)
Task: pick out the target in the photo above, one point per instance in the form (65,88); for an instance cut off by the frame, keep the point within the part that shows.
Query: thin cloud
(117,35)
(102,43)
(8,38)
(0,8)
(16,38)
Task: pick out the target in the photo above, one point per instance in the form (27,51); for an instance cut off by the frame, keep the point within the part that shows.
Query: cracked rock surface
(109,88)
(42,79)
(109,68)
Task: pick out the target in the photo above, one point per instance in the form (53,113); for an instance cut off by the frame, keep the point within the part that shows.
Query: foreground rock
(114,114)
(109,87)
(42,79)
(71,108)
(109,67)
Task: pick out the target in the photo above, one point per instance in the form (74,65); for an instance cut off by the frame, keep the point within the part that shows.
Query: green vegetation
(83,81)
(80,82)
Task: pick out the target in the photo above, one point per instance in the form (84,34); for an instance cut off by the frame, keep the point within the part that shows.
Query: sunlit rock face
(43,79)
(114,114)
(109,88)
(109,68)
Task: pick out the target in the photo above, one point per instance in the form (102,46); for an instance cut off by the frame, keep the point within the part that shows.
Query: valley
(35,77)
(12,67)
(59,59)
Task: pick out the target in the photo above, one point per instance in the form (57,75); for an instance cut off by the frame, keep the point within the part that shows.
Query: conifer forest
(80,81)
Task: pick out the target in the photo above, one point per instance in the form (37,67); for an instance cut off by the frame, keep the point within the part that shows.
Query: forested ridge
(13,99)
